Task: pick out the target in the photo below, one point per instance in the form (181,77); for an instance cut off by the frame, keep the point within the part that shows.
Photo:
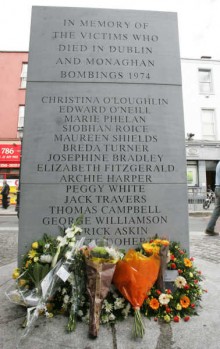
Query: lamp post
(17,208)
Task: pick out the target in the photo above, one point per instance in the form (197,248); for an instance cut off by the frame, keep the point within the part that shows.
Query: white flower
(46,246)
(72,243)
(69,233)
(168,256)
(107,306)
(114,254)
(46,258)
(66,299)
(68,255)
(80,313)
(77,230)
(62,240)
(164,298)
(180,282)
(126,310)
(111,317)
(119,303)
(82,301)
(71,279)
(104,319)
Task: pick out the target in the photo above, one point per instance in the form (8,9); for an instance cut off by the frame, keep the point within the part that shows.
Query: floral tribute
(134,276)
(99,284)
(183,299)
(100,267)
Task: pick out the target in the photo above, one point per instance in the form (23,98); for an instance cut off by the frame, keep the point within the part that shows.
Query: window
(208,124)
(192,173)
(21,117)
(205,81)
(24,75)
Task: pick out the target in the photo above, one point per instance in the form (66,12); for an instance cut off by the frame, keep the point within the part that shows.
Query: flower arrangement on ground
(61,275)
(185,296)
(36,280)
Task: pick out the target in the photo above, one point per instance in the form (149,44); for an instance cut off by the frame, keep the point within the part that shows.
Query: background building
(201,96)
(13,72)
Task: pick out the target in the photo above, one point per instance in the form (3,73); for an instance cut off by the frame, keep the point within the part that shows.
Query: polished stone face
(98,45)
(110,148)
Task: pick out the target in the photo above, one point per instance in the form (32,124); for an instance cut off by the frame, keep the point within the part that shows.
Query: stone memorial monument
(104,130)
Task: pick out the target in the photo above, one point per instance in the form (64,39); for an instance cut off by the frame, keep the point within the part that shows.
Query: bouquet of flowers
(37,262)
(49,286)
(100,267)
(45,268)
(134,276)
(35,266)
(183,299)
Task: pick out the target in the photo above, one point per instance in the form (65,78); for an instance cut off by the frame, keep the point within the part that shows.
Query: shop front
(10,155)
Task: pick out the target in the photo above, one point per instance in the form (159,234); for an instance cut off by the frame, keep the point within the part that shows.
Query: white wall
(194,101)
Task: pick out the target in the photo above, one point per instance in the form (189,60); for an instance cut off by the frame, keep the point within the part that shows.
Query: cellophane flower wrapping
(158,247)
(163,254)
(18,293)
(100,267)
(134,276)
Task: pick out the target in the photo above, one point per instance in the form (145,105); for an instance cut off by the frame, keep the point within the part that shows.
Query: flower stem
(138,327)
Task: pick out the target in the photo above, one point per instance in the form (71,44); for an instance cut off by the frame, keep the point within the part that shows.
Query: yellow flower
(35,245)
(161,242)
(36,259)
(22,282)
(187,262)
(16,273)
(151,248)
(157,241)
(32,254)
(166,318)
(165,242)
(178,306)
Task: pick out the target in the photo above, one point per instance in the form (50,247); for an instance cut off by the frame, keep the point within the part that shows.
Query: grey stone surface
(101,126)
(85,184)
(158,215)
(99,45)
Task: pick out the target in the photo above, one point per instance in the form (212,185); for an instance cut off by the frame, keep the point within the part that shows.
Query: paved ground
(200,332)
(9,211)
(8,242)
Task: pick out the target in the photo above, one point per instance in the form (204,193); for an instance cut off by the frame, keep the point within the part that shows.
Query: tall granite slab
(104,131)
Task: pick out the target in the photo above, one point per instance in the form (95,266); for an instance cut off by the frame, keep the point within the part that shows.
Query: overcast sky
(199,22)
